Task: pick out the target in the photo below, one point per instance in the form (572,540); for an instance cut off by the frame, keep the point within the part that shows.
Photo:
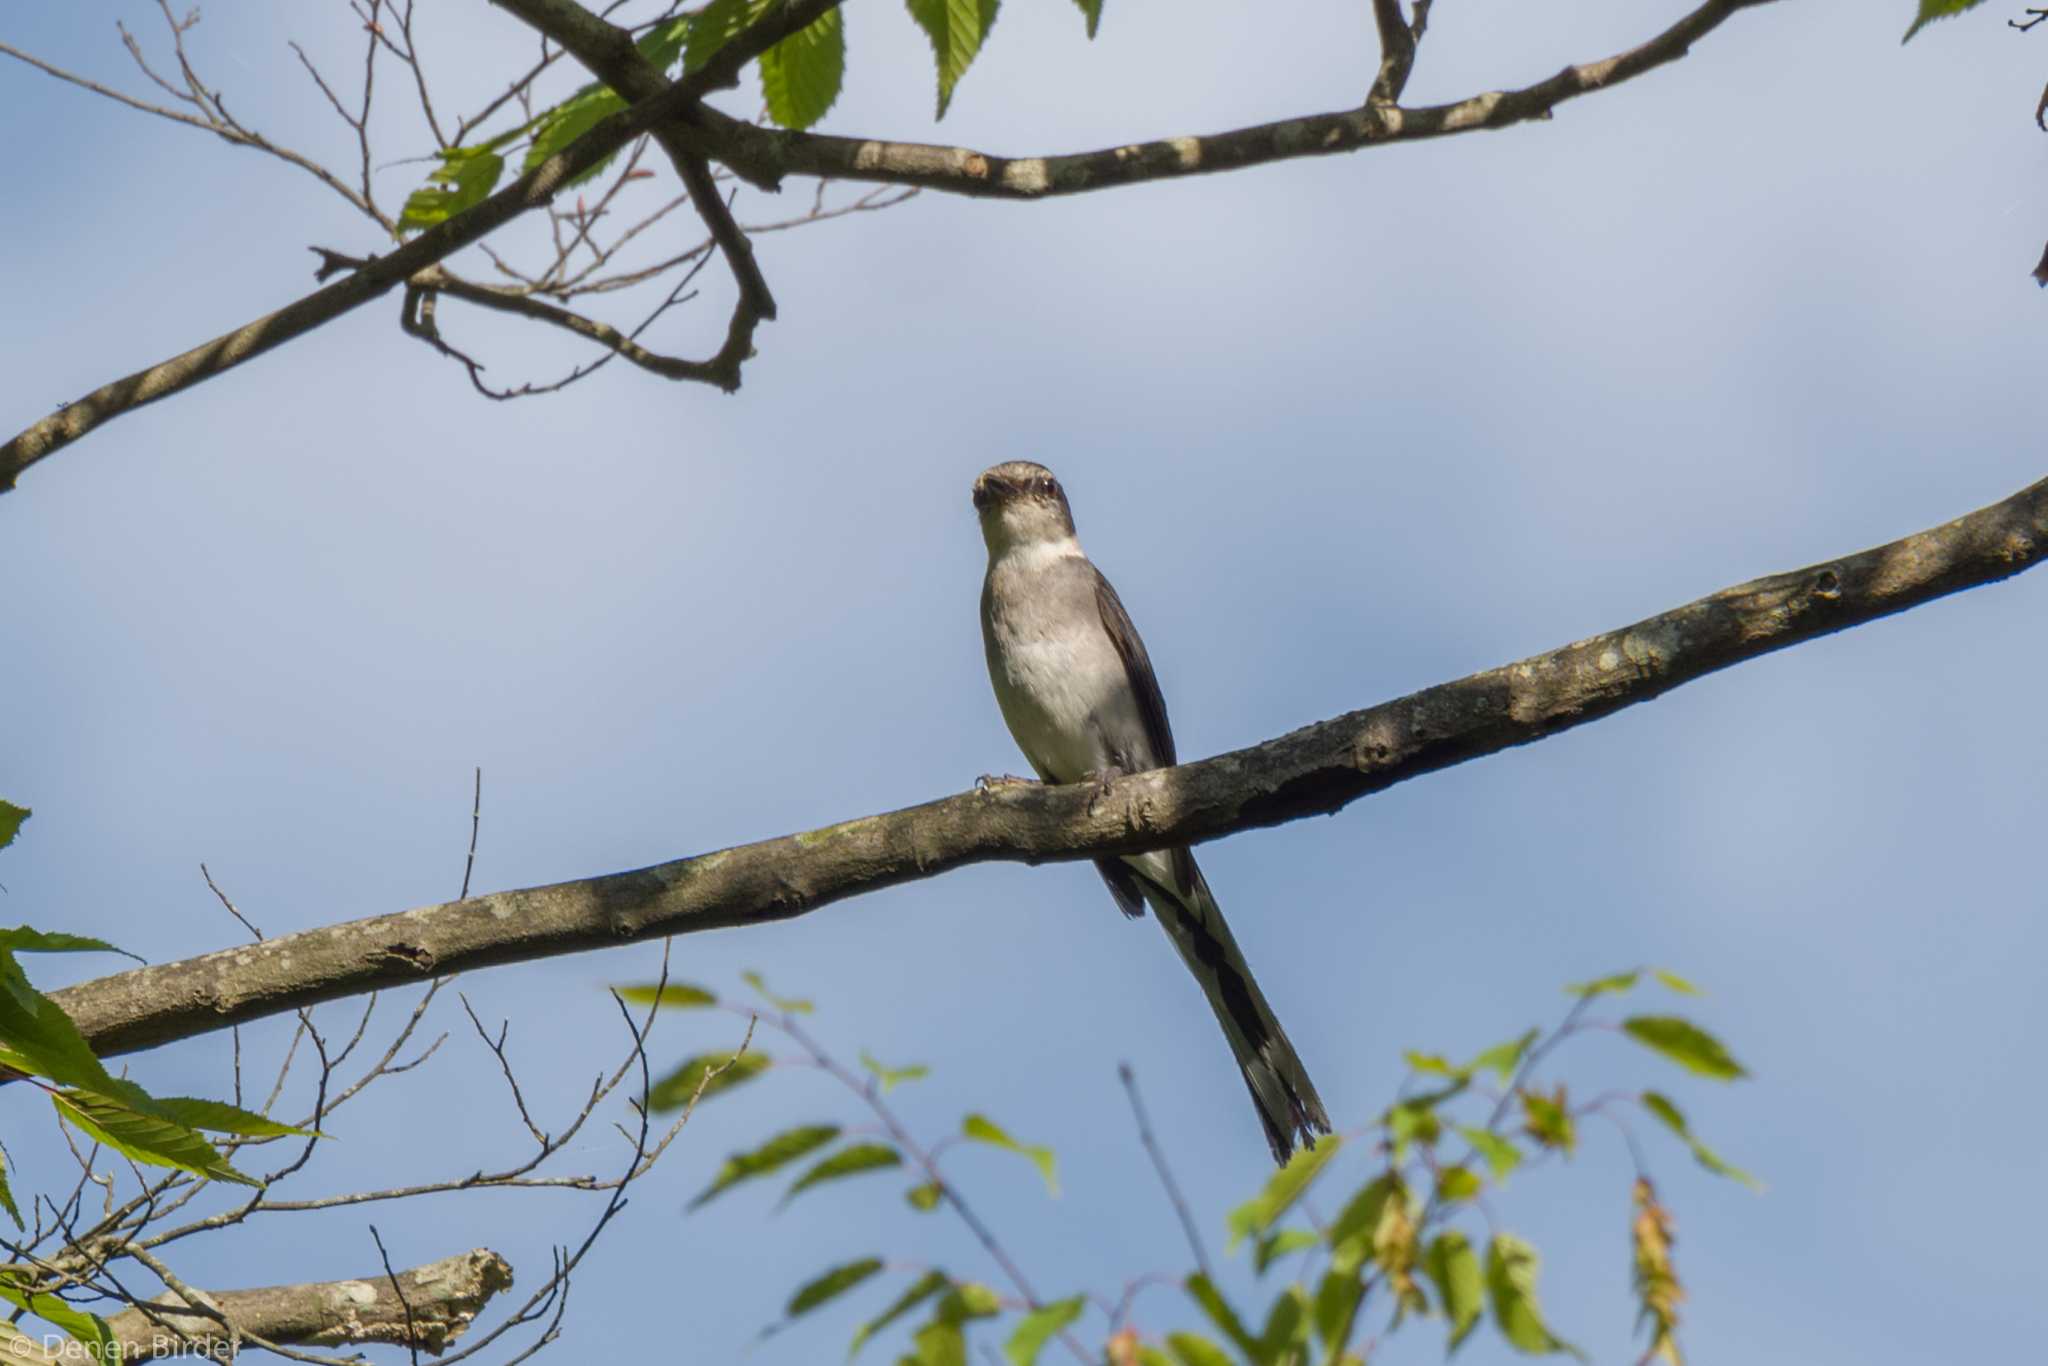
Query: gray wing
(1152,711)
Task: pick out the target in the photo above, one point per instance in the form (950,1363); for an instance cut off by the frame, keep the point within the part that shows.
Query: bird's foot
(1100,778)
(989,782)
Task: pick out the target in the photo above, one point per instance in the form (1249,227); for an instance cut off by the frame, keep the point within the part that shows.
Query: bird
(1079,695)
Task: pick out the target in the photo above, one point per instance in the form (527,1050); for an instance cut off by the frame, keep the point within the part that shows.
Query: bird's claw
(989,782)
(1101,779)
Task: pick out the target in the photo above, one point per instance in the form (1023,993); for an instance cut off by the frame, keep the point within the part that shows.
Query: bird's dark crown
(1017,479)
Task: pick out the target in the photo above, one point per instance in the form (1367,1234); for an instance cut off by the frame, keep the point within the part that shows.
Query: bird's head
(1021,504)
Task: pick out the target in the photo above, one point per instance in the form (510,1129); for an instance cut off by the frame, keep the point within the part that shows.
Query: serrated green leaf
(37,1037)
(1351,1234)
(1271,1247)
(221,1118)
(924,1198)
(1336,1308)
(1685,1043)
(1600,986)
(771,1156)
(1210,1300)
(1453,1268)
(709,1070)
(920,1290)
(88,1329)
(801,75)
(788,1005)
(1930,10)
(1675,982)
(1287,1325)
(23,939)
(1457,1183)
(673,996)
(11,817)
(1283,1189)
(464,179)
(1674,1119)
(1039,1327)
(1191,1349)
(1091,10)
(1503,1058)
(1511,1266)
(851,1160)
(7,1195)
(982,1129)
(830,1286)
(146,1138)
(556,128)
(891,1077)
(957,29)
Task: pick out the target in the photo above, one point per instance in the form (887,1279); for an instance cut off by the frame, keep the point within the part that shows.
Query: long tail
(1286,1099)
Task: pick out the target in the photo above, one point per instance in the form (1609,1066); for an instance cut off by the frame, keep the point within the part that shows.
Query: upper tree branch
(1313,770)
(767,154)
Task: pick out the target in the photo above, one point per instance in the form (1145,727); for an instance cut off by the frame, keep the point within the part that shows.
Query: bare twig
(1152,1149)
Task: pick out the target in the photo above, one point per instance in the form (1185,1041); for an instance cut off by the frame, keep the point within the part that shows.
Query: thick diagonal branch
(439,1301)
(1313,770)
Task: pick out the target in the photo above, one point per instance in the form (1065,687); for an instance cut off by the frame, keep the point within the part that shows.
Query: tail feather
(1286,1099)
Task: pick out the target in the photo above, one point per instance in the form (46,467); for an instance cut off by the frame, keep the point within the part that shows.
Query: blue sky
(1337,429)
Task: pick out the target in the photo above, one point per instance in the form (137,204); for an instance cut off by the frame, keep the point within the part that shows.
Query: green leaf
(149,1139)
(1685,1043)
(1271,1247)
(776,1153)
(941,1342)
(830,1286)
(715,1072)
(11,817)
(7,1196)
(1600,986)
(851,1160)
(37,1037)
(922,1289)
(1547,1120)
(1337,1307)
(1434,1064)
(1674,1119)
(673,996)
(717,24)
(1511,1266)
(1283,1188)
(1351,1234)
(464,179)
(788,1005)
(1930,10)
(984,1130)
(663,43)
(1191,1349)
(925,1198)
(1287,1325)
(1501,1156)
(891,1077)
(1453,1268)
(1457,1183)
(1503,1058)
(1676,983)
(801,75)
(1413,1121)
(556,128)
(23,939)
(221,1118)
(1205,1294)
(957,29)
(88,1329)
(1039,1327)
(1092,11)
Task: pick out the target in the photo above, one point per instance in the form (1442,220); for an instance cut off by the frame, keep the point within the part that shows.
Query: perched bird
(1079,695)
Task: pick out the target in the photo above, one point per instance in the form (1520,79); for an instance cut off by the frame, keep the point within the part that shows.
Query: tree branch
(1317,769)
(444,1298)
(765,155)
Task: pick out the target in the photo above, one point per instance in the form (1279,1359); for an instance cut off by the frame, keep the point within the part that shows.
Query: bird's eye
(1045,486)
